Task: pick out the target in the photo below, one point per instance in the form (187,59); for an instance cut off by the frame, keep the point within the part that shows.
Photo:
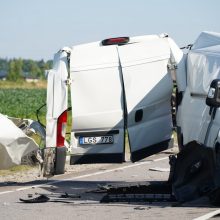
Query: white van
(124,85)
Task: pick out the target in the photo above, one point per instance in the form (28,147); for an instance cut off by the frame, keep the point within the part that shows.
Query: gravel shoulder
(32,173)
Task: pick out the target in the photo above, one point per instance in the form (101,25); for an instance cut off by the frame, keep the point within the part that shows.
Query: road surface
(87,206)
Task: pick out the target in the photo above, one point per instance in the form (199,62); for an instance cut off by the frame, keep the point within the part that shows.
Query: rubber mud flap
(48,164)
(54,161)
(194,172)
(60,160)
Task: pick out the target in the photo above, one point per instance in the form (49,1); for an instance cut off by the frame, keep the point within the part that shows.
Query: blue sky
(37,29)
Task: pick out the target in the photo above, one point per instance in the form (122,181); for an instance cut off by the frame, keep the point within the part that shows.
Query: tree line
(19,69)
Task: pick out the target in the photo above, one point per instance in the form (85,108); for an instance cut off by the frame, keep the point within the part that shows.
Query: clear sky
(36,29)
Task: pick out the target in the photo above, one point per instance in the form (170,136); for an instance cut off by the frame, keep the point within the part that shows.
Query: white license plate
(96,140)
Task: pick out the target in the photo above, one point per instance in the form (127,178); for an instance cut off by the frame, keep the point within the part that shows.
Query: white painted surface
(208,215)
(148,87)
(56,95)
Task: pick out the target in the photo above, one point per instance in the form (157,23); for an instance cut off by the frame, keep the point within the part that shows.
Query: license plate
(96,140)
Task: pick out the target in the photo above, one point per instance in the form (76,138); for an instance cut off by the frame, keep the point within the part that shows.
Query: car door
(148,88)
(97,105)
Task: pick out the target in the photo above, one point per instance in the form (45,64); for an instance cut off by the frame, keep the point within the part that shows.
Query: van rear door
(97,105)
(119,87)
(148,88)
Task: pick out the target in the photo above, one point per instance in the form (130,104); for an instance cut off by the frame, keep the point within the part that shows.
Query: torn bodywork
(16,145)
(194,172)
(42,198)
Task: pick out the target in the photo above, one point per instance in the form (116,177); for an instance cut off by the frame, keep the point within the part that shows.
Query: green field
(21,99)
(21,103)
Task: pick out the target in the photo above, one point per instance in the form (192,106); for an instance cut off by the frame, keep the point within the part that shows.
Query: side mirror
(213,98)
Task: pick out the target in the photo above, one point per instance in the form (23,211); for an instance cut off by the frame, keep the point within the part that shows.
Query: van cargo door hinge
(172,66)
(69,81)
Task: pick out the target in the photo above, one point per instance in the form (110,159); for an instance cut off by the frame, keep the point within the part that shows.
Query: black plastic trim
(95,133)
(179,98)
(179,138)
(149,150)
(198,95)
(97,158)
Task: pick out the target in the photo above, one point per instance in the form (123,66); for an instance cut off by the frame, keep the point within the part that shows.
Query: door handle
(138,115)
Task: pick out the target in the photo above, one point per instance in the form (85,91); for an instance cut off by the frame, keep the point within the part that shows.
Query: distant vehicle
(3,75)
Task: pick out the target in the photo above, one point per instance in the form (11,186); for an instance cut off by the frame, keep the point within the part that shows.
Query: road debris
(53,197)
(160,169)
(141,208)
(160,191)
(38,199)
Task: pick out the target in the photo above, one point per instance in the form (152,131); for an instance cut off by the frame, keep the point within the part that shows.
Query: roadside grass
(15,169)
(22,102)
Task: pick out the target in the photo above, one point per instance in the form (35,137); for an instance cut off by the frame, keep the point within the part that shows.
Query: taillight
(115,41)
(61,129)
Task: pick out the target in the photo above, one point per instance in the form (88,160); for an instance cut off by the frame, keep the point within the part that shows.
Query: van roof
(140,49)
(132,40)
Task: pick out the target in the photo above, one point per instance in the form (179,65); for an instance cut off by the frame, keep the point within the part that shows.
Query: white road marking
(208,215)
(24,188)
(5,192)
(159,159)
(84,176)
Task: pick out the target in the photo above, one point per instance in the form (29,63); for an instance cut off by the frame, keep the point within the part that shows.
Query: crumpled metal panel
(193,172)
(14,143)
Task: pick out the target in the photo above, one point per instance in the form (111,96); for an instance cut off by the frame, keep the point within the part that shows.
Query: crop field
(21,99)
(21,103)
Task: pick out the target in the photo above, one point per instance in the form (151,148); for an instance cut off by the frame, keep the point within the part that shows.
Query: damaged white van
(123,86)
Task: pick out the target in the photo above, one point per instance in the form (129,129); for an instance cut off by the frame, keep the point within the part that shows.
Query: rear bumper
(97,158)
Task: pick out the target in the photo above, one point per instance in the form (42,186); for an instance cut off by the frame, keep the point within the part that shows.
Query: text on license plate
(96,140)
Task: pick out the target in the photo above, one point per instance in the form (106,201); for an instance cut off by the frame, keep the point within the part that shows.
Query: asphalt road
(88,206)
